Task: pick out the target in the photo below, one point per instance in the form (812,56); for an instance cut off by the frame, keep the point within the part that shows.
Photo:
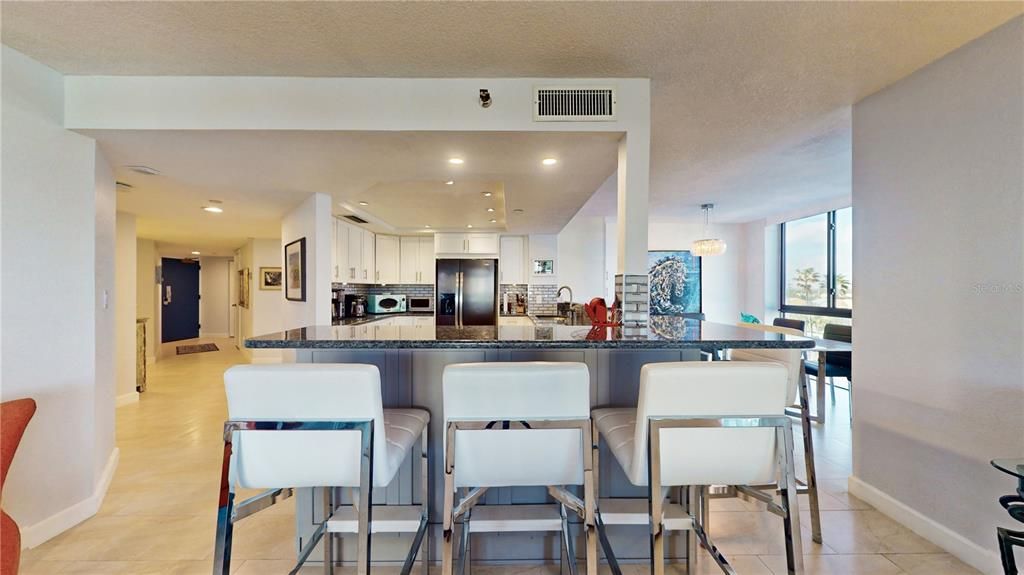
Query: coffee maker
(337,305)
(355,305)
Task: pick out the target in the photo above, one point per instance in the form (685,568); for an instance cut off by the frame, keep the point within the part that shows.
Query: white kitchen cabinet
(368,264)
(340,271)
(417,260)
(481,244)
(354,246)
(387,260)
(512,260)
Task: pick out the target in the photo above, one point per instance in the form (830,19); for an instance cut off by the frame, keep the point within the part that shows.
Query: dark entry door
(180,294)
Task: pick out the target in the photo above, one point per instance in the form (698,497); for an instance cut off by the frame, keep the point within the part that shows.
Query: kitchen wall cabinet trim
(478,244)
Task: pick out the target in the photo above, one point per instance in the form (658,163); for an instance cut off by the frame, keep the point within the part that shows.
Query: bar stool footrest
(623,511)
(386,519)
(513,518)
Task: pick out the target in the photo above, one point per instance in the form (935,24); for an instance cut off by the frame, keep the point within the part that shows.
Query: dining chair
(514,424)
(698,424)
(319,426)
(797,393)
(797,324)
(839,363)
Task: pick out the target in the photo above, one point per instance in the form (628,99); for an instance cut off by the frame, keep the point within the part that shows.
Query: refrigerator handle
(458,299)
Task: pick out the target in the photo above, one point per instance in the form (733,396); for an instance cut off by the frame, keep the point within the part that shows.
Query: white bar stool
(517,424)
(796,394)
(297,425)
(699,424)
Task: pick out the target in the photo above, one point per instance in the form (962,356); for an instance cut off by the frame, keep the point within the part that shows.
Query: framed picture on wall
(675,282)
(271,278)
(295,270)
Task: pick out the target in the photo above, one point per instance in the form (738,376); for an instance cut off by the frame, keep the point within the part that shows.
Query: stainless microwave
(386,303)
(420,303)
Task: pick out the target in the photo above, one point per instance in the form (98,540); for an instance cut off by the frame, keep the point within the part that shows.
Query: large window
(817,266)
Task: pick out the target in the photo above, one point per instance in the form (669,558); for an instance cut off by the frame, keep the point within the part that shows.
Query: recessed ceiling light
(456,161)
(490,209)
(195,253)
(427,226)
(364,203)
(494,221)
(487,194)
(469,225)
(213,209)
(124,186)
(549,161)
(146,170)
(449,182)
(517,211)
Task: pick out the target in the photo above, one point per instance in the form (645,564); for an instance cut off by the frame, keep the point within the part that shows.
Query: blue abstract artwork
(674,278)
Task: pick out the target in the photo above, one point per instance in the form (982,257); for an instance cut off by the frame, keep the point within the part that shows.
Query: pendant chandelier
(708,246)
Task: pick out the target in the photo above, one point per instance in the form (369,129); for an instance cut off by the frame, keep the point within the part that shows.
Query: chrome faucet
(558,294)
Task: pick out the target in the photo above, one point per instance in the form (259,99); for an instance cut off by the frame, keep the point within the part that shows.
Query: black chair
(838,363)
(790,323)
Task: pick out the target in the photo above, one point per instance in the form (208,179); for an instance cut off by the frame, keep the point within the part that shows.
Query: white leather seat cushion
(617,425)
(402,429)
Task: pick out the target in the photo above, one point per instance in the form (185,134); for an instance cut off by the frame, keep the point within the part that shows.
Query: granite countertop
(371,317)
(662,333)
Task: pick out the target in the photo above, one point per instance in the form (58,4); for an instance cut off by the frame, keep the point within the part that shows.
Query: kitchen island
(412,353)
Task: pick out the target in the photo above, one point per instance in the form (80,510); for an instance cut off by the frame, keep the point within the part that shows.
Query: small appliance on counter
(355,305)
(338,311)
(386,303)
(420,304)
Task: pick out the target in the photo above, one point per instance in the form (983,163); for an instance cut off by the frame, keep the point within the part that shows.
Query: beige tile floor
(159,515)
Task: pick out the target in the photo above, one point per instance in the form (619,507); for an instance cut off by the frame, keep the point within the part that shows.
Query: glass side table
(1014,505)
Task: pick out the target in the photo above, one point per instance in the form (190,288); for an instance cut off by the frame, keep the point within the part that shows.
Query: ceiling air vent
(573,104)
(356,219)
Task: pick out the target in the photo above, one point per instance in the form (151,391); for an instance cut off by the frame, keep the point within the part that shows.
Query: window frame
(830,308)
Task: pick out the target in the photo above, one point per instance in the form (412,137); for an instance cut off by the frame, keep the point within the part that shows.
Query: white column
(631,285)
(310,220)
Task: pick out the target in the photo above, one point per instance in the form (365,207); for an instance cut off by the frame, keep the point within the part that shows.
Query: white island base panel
(412,378)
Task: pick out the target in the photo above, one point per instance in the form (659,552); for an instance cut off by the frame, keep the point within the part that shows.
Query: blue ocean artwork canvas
(674,278)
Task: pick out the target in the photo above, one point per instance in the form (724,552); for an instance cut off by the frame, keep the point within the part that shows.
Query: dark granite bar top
(372,317)
(662,333)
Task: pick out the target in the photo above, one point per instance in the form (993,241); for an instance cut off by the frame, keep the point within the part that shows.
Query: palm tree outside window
(817,269)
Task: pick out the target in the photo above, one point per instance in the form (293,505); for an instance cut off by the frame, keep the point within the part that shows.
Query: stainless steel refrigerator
(467,292)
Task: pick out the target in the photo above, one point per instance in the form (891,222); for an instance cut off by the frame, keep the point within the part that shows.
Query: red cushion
(10,545)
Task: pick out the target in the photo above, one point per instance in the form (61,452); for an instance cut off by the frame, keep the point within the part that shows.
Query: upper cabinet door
(409,259)
(450,243)
(369,265)
(426,261)
(387,260)
(335,255)
(482,244)
(512,263)
(354,265)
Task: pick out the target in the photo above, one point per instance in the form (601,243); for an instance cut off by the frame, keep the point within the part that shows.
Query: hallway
(159,514)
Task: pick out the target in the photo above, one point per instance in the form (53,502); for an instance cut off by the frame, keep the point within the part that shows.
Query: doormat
(200,348)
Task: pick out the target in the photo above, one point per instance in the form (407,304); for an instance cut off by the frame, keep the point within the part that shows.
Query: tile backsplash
(417,290)
(543,299)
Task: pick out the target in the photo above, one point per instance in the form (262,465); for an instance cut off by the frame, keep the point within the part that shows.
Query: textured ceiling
(750,100)
(260,175)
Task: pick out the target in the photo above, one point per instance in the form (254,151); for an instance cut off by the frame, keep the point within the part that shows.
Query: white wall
(264,314)
(938,198)
(214,303)
(581,258)
(311,220)
(146,292)
(57,218)
(723,286)
(126,275)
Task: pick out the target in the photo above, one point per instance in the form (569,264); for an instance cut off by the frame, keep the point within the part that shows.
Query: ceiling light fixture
(549,161)
(124,186)
(490,209)
(213,209)
(456,161)
(469,225)
(195,253)
(145,170)
(487,194)
(518,211)
(708,246)
(449,182)
(364,203)
(427,226)
(494,221)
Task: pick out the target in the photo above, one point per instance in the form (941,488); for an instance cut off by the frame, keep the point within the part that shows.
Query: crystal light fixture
(708,246)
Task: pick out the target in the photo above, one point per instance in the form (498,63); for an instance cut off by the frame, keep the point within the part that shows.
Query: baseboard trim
(126,399)
(957,545)
(41,532)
